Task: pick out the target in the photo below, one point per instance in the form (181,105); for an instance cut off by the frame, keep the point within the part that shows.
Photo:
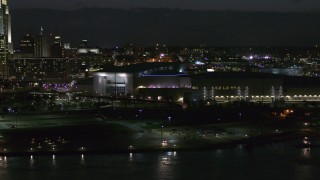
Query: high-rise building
(41,48)
(6,46)
(83,44)
(56,48)
(27,46)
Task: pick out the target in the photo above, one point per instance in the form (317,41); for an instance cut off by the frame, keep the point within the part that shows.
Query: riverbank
(87,133)
(247,143)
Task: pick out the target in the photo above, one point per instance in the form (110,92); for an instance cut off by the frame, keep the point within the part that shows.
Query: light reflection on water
(31,161)
(166,165)
(274,161)
(130,157)
(306,152)
(3,162)
(53,160)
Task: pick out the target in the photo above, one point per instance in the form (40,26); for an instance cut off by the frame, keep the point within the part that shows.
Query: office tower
(57,40)
(66,46)
(69,51)
(84,44)
(27,46)
(56,48)
(5,38)
(41,49)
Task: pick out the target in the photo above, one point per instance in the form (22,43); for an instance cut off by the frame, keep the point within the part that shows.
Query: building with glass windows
(6,46)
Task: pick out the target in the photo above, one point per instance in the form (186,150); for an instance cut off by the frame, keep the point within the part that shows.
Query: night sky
(224,23)
(242,5)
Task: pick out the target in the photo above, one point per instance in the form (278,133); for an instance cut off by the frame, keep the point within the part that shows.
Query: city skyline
(214,23)
(171,89)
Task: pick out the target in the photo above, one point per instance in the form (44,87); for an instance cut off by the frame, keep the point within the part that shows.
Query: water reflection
(3,162)
(275,161)
(31,161)
(53,160)
(82,159)
(306,152)
(130,157)
(166,165)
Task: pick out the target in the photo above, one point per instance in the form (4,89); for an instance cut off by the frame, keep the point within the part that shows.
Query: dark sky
(237,22)
(242,5)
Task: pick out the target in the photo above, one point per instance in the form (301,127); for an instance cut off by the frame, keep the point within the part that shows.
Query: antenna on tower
(41,30)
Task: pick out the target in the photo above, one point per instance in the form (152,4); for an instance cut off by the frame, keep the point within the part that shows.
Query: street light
(169,118)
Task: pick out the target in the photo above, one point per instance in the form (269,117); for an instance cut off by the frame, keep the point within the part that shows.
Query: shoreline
(248,143)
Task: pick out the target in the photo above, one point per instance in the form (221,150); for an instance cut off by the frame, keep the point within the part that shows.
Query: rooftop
(136,68)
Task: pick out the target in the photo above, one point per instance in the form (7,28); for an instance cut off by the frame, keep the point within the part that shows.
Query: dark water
(273,161)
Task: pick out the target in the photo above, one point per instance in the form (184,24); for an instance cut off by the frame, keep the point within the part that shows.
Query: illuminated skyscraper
(56,48)
(27,46)
(6,46)
(41,48)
